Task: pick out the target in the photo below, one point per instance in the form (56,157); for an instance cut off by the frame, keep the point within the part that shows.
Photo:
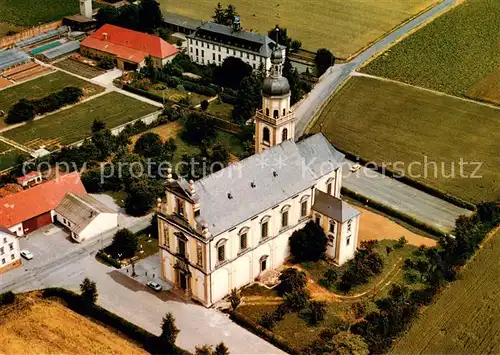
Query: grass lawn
(176,95)
(73,124)
(33,325)
(464,318)
(342,26)
(451,53)
(149,245)
(392,123)
(79,68)
(220,109)
(8,155)
(43,86)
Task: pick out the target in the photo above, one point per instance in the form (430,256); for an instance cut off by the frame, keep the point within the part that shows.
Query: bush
(22,111)
(124,243)
(235,299)
(291,280)
(108,259)
(297,300)
(7,298)
(89,290)
(329,278)
(267,321)
(308,243)
(400,243)
(366,263)
(106,63)
(317,311)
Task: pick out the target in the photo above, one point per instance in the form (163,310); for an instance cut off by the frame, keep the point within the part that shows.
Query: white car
(27,254)
(154,285)
(355,167)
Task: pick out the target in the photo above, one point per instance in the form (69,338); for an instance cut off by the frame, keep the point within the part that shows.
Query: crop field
(8,155)
(342,26)
(450,54)
(78,68)
(73,124)
(43,86)
(34,12)
(427,135)
(464,318)
(487,89)
(36,326)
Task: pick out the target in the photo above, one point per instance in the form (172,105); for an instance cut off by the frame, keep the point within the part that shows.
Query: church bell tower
(275,123)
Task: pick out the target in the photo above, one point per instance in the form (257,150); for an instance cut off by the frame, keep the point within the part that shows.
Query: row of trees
(26,110)
(144,16)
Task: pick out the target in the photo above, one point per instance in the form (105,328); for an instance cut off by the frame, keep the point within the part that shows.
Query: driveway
(402,197)
(132,300)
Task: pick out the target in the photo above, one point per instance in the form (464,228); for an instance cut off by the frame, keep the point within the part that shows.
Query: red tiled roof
(40,199)
(28,176)
(127,44)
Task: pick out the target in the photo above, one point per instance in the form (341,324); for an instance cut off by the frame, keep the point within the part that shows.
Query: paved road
(402,197)
(330,81)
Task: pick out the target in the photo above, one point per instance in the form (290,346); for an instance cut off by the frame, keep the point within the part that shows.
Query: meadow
(450,54)
(342,26)
(73,124)
(29,13)
(387,122)
(79,68)
(464,318)
(487,89)
(8,155)
(37,326)
(43,86)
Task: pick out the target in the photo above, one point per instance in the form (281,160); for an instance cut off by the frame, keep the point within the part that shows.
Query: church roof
(333,207)
(259,182)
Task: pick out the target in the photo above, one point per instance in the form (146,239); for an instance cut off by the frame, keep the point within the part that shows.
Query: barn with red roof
(127,48)
(28,210)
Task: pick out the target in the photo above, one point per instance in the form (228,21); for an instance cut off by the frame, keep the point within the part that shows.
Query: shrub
(291,280)
(22,111)
(204,105)
(400,243)
(317,311)
(297,300)
(169,331)
(359,309)
(124,243)
(366,263)
(7,298)
(149,145)
(108,259)
(329,278)
(267,321)
(308,243)
(89,290)
(106,63)
(235,299)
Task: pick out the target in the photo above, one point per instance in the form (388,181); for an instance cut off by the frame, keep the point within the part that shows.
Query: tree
(308,243)
(150,15)
(347,343)
(141,196)
(235,299)
(318,311)
(249,98)
(149,145)
(22,111)
(231,72)
(324,59)
(330,277)
(200,127)
(204,105)
(70,94)
(169,147)
(291,280)
(401,242)
(280,36)
(125,243)
(292,75)
(221,349)
(169,331)
(296,300)
(107,14)
(204,350)
(104,141)
(295,45)
(89,290)
(106,63)
(267,321)
(97,126)
(224,16)
(219,157)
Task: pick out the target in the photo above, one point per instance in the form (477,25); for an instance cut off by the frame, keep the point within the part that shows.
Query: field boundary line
(394,29)
(381,78)
(16,83)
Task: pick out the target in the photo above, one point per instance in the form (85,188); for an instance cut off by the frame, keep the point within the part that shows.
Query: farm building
(179,23)
(12,57)
(60,51)
(30,179)
(127,48)
(85,216)
(31,209)
(43,38)
(9,250)
(211,43)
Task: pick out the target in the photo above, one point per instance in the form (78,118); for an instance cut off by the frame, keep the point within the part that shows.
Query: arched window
(276,113)
(329,186)
(303,206)
(284,134)
(284,111)
(267,111)
(265,134)
(284,216)
(243,233)
(264,227)
(221,250)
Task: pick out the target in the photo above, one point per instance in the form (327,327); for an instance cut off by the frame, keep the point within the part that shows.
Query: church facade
(227,229)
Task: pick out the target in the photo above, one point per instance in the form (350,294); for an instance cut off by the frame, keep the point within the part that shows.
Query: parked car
(154,286)
(355,167)
(27,254)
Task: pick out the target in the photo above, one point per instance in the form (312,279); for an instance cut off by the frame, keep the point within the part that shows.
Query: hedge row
(76,303)
(7,298)
(146,94)
(394,213)
(268,335)
(108,259)
(413,183)
(227,98)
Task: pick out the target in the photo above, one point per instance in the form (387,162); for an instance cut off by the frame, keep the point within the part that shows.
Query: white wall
(346,252)
(102,223)
(17,229)
(8,256)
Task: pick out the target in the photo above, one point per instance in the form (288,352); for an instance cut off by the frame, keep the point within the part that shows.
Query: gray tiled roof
(254,42)
(80,210)
(181,21)
(333,207)
(278,173)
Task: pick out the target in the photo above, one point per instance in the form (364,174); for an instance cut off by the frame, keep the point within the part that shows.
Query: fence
(8,41)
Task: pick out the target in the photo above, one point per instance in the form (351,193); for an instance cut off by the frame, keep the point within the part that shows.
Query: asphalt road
(307,108)
(402,197)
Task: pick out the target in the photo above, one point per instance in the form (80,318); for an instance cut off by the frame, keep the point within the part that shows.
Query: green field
(450,54)
(487,89)
(35,12)
(465,317)
(43,86)
(78,68)
(393,123)
(73,124)
(342,26)
(8,155)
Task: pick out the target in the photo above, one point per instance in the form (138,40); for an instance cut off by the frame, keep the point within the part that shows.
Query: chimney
(191,187)
(105,36)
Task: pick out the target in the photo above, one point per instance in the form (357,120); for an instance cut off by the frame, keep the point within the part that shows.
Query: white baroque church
(227,229)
